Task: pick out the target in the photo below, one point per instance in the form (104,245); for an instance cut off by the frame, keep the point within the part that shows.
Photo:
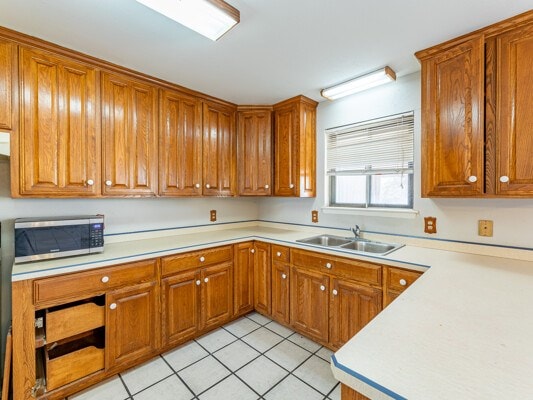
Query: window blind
(378,146)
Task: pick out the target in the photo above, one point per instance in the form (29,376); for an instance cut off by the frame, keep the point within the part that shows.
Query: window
(370,164)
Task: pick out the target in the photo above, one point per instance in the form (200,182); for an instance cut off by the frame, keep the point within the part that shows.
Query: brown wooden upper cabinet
(59,147)
(129,135)
(180,150)
(219,149)
(295,147)
(477,125)
(254,151)
(8,62)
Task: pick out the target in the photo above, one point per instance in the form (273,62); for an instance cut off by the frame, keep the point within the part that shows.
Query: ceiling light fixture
(363,82)
(211,18)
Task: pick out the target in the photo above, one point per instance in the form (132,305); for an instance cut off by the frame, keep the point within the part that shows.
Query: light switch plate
(485,227)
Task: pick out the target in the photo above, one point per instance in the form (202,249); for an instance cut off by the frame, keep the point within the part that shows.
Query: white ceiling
(280,49)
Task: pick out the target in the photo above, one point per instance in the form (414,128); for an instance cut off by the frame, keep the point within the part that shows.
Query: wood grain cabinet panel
(132,323)
(217,295)
(219,150)
(262,279)
(180,163)
(295,147)
(281,292)
(8,62)
(243,278)
(58,144)
(130,139)
(254,151)
(352,306)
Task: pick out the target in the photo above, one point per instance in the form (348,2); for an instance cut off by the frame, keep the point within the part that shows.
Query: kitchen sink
(357,245)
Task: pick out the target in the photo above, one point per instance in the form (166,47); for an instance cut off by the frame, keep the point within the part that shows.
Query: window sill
(374,212)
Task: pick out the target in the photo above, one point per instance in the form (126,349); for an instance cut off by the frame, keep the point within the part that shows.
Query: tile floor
(250,358)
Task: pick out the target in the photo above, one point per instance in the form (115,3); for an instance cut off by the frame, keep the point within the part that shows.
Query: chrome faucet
(356,231)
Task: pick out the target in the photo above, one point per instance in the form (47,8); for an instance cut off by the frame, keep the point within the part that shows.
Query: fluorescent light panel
(210,18)
(364,82)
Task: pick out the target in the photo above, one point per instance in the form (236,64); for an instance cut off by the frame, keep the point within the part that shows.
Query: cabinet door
(181,304)
(453,129)
(129,132)
(243,278)
(285,151)
(514,116)
(309,302)
(7,65)
(180,164)
(219,150)
(280,292)
(352,307)
(217,295)
(262,278)
(254,155)
(59,144)
(132,323)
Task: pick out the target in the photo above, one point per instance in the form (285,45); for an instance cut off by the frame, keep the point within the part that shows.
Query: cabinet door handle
(283,276)
(472,178)
(207,185)
(328,265)
(105,279)
(291,186)
(504,179)
(278,253)
(322,287)
(202,259)
(252,251)
(403,282)
(335,292)
(108,183)
(266,186)
(206,280)
(90,182)
(112,306)
(198,282)
(197,186)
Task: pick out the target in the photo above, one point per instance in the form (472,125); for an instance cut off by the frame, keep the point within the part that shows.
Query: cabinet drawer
(358,270)
(280,253)
(400,279)
(73,320)
(78,284)
(195,259)
(317,261)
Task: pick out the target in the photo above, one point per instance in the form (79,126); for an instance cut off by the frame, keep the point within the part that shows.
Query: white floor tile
(242,326)
(261,374)
(279,329)
(170,388)
(216,340)
(203,374)
(288,355)
(111,389)
(293,389)
(304,342)
(229,389)
(262,339)
(325,354)
(260,319)
(146,374)
(185,355)
(317,373)
(336,394)
(236,355)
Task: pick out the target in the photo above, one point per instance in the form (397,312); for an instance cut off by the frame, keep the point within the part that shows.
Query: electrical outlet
(430,225)
(314,216)
(485,227)
(213,215)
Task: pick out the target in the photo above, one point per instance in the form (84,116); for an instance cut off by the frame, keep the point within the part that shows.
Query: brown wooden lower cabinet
(347,393)
(216,293)
(280,292)
(243,278)
(262,278)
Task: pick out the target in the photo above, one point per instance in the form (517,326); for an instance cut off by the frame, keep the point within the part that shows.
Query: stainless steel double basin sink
(357,245)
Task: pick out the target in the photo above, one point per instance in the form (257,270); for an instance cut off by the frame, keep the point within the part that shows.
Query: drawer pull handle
(197,186)
(322,287)
(206,280)
(266,186)
(207,185)
(105,279)
(202,259)
(108,183)
(291,186)
(504,179)
(328,265)
(198,282)
(90,182)
(403,282)
(278,253)
(252,251)
(283,276)
(472,179)
(112,306)
(335,293)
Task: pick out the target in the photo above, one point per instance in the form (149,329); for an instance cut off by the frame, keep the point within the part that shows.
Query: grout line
(125,386)
(179,377)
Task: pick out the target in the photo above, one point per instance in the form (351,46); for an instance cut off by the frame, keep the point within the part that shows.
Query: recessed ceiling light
(210,18)
(363,82)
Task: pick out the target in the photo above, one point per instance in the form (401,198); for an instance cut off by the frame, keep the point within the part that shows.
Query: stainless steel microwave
(45,238)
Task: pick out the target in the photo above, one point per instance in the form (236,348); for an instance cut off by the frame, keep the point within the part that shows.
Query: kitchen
(457,218)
